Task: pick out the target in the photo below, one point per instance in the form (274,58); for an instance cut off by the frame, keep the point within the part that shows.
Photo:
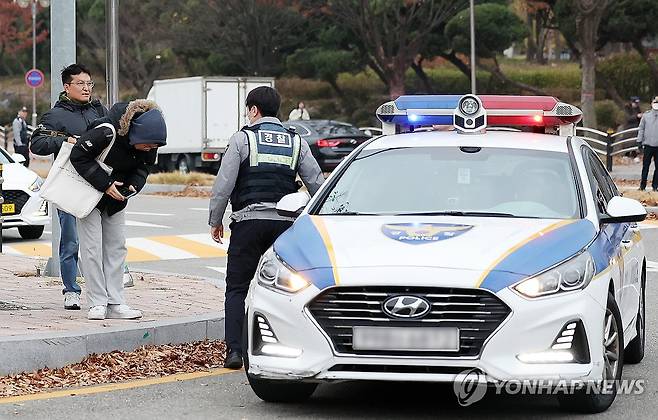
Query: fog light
(558,356)
(280,350)
(43,209)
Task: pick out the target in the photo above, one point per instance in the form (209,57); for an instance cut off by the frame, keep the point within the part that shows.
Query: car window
(603,188)
(300,129)
(4,157)
(521,183)
(338,130)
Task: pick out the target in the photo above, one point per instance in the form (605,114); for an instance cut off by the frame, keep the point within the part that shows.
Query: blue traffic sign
(34,78)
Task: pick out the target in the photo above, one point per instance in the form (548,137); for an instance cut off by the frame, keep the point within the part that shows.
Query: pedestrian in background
(140,130)
(647,137)
(72,114)
(259,167)
(21,138)
(299,113)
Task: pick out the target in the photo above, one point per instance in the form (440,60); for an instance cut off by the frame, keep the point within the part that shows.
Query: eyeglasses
(82,84)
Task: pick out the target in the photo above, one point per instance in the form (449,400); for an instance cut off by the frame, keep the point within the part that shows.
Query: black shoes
(233,360)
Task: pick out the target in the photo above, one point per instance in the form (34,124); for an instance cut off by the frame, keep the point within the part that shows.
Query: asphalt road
(227,395)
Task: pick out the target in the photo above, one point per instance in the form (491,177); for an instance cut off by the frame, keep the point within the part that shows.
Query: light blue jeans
(68,252)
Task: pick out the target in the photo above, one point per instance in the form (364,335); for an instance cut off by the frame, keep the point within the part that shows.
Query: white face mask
(654,106)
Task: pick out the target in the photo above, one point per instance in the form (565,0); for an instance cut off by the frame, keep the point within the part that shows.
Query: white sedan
(428,254)
(23,207)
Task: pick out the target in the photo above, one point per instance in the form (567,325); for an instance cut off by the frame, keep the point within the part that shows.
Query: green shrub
(629,74)
(608,115)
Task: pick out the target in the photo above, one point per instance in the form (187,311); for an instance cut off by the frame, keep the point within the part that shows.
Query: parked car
(23,207)
(330,140)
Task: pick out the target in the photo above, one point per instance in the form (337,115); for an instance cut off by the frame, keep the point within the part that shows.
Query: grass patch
(193,178)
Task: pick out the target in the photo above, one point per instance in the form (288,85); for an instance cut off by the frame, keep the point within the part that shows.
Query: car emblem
(423,233)
(353,141)
(406,306)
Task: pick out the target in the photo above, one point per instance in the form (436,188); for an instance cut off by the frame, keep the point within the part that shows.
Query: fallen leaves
(118,366)
(187,192)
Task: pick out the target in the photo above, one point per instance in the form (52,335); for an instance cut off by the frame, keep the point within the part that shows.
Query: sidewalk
(35,330)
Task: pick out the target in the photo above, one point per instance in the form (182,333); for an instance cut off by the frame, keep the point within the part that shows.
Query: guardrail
(7,135)
(609,144)
(3,137)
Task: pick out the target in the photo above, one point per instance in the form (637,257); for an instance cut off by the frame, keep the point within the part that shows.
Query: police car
(431,251)
(23,207)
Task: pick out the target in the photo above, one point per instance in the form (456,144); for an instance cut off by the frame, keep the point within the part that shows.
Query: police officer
(21,138)
(259,167)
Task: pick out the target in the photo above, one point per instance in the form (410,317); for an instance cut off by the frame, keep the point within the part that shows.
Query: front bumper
(531,327)
(35,212)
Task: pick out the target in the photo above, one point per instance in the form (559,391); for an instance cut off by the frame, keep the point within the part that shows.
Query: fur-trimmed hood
(133,119)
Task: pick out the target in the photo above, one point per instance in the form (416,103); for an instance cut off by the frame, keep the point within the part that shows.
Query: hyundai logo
(406,306)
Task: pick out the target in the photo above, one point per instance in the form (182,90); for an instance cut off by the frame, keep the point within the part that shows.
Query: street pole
(472,48)
(34,61)
(112,51)
(62,53)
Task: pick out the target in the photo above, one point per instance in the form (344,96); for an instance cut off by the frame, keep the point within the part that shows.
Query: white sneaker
(97,312)
(71,300)
(122,312)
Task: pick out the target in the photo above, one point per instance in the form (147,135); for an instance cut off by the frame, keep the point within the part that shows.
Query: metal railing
(7,135)
(609,144)
(3,137)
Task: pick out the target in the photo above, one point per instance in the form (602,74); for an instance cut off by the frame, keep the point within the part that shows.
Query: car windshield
(456,181)
(337,130)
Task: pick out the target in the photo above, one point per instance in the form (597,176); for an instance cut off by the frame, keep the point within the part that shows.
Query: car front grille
(17,197)
(476,312)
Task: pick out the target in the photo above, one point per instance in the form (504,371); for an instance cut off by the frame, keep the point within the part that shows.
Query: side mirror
(624,210)
(292,205)
(18,158)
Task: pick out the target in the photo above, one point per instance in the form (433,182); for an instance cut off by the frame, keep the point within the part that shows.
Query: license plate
(9,208)
(405,338)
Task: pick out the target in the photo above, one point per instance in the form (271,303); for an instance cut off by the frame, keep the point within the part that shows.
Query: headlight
(36,185)
(573,274)
(275,274)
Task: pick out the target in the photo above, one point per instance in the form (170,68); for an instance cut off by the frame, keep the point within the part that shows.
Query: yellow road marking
(33,250)
(116,387)
(197,248)
(136,254)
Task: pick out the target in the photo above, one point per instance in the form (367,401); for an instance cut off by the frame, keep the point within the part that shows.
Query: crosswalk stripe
(205,238)
(139,255)
(197,248)
(161,251)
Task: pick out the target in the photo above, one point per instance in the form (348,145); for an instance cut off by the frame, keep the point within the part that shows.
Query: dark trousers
(25,151)
(249,241)
(650,153)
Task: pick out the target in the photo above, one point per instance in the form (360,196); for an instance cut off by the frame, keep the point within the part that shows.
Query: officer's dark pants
(249,241)
(25,151)
(650,153)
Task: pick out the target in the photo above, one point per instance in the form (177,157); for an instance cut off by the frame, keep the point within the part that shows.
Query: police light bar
(471,113)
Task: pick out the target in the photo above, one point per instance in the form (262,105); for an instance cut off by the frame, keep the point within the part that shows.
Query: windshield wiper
(349,213)
(458,213)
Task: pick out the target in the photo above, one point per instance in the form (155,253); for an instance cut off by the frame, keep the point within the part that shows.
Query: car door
(625,237)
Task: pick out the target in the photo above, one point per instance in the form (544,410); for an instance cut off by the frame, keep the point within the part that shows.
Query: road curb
(27,353)
(158,188)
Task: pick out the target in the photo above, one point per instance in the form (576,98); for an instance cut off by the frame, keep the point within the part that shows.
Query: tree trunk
(420,72)
(588,64)
(396,85)
(461,66)
(653,66)
(531,49)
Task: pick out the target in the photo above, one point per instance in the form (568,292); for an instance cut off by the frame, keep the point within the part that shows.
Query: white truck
(201,114)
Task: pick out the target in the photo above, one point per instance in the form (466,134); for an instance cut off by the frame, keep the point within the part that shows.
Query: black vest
(269,172)
(25,138)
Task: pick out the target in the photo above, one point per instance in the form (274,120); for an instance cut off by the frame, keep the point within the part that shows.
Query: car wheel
(272,390)
(634,352)
(31,232)
(596,398)
(183,165)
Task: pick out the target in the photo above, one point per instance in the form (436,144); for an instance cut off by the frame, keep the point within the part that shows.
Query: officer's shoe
(233,360)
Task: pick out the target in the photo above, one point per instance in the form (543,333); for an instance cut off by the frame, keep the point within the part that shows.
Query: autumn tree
(16,34)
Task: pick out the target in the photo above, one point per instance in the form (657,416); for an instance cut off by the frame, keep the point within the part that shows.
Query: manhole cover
(7,306)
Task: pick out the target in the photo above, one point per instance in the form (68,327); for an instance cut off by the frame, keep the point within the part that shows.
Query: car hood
(17,176)
(323,246)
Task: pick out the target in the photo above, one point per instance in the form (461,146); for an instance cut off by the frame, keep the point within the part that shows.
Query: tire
(273,390)
(184,165)
(31,232)
(634,352)
(596,402)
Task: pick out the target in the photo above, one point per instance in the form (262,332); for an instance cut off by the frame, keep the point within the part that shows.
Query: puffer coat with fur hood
(128,164)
